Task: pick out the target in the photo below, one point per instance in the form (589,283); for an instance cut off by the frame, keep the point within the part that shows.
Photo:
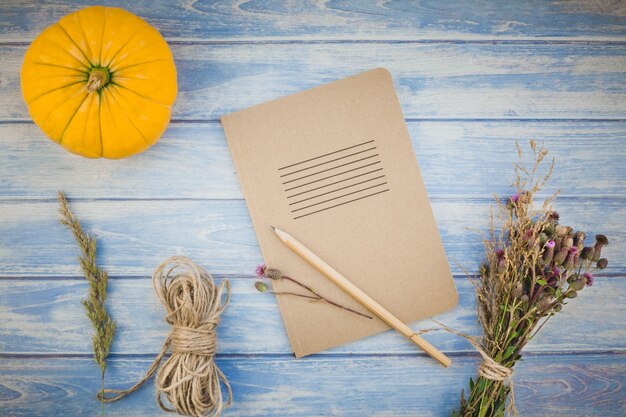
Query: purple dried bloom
(551,243)
(590,278)
(514,198)
(260,270)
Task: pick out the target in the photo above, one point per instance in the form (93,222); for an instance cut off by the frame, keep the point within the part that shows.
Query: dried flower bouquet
(534,266)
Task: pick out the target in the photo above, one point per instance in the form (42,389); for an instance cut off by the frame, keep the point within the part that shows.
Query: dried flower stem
(322,298)
(275,274)
(104,326)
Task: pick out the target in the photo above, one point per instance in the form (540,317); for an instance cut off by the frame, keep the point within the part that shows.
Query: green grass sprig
(103,324)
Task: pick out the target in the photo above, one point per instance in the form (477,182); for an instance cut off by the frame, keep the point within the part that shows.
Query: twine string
(488,368)
(189,378)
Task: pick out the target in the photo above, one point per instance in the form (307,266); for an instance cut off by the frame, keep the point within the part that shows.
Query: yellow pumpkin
(100,82)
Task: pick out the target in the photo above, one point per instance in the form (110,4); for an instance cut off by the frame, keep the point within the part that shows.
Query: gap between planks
(458,354)
(477,40)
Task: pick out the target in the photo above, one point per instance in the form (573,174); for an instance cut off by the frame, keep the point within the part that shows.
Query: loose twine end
(189,378)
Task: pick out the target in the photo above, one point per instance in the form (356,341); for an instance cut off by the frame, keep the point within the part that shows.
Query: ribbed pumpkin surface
(100,82)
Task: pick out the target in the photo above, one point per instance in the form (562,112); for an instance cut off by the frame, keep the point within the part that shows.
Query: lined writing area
(333,179)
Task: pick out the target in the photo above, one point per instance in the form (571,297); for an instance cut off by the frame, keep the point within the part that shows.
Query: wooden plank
(545,385)
(135,236)
(181,20)
(42,317)
(192,160)
(435,81)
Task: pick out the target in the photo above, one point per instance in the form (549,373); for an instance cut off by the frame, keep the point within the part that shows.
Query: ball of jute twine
(189,378)
(488,368)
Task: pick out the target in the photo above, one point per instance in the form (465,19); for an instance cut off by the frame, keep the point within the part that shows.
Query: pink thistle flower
(260,270)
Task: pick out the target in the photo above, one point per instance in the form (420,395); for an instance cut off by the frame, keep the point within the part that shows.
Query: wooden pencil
(369,303)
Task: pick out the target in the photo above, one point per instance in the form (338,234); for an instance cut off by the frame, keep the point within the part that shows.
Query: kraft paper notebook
(334,167)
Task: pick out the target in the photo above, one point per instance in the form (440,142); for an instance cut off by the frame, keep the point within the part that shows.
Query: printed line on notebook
(328,162)
(337,182)
(331,176)
(327,154)
(337,189)
(330,169)
(340,204)
(338,197)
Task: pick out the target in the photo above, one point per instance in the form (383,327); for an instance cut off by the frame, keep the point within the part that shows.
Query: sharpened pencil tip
(273,228)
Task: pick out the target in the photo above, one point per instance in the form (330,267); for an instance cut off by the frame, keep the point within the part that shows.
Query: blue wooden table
(472,78)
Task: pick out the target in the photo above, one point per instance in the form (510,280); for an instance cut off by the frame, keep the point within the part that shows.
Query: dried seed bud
(560,230)
(260,286)
(589,278)
(518,290)
(558,308)
(579,239)
(272,273)
(554,216)
(549,229)
(544,302)
(577,283)
(602,263)
(548,252)
(601,241)
(568,242)
(561,255)
(571,294)
(572,258)
(501,265)
(543,239)
(587,253)
(529,238)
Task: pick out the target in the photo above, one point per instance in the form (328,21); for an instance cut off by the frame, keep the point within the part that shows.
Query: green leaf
(508,352)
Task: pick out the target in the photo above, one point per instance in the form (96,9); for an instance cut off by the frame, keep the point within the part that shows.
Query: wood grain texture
(305,20)
(460,81)
(389,385)
(192,160)
(472,76)
(46,317)
(135,236)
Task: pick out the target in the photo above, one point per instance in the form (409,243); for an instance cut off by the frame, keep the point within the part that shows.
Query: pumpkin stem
(98,78)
